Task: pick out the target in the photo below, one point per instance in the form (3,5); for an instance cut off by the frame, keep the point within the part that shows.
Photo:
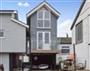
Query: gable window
(40,14)
(40,23)
(46,14)
(79,32)
(43,19)
(65,50)
(1,33)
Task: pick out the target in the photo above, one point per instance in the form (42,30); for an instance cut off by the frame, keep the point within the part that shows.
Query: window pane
(65,51)
(40,36)
(47,38)
(79,33)
(65,47)
(47,16)
(76,34)
(1,33)
(40,15)
(40,23)
(46,23)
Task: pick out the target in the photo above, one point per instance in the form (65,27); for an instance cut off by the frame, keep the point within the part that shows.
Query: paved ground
(57,70)
(83,70)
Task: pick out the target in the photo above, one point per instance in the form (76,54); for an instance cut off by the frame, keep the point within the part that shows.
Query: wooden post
(28,36)
(74,51)
(1,67)
(30,60)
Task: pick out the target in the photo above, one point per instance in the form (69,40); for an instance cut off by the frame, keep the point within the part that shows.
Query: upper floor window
(46,15)
(40,14)
(43,19)
(43,39)
(1,33)
(79,32)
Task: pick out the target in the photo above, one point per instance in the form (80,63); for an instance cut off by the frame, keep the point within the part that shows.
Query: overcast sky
(67,8)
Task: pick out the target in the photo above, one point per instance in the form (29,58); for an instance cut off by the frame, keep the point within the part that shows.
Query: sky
(67,8)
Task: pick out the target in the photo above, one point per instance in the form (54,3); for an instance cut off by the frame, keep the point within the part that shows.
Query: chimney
(67,35)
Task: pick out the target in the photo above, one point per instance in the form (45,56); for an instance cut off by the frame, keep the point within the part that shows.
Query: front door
(43,40)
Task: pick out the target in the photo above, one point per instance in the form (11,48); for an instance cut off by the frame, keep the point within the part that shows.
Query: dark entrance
(43,59)
(15,63)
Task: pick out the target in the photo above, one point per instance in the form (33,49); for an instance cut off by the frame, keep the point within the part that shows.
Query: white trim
(19,22)
(10,12)
(43,36)
(37,21)
(44,19)
(2,37)
(49,36)
(44,3)
(37,39)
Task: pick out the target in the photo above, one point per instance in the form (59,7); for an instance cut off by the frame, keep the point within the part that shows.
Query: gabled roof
(78,14)
(42,4)
(8,11)
(19,22)
(13,19)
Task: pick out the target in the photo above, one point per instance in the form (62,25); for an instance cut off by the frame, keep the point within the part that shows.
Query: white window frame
(43,34)
(80,40)
(38,40)
(43,19)
(65,47)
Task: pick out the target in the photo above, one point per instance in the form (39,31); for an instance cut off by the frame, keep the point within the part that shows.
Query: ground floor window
(65,50)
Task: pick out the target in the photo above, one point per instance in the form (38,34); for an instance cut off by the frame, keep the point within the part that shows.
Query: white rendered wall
(4,59)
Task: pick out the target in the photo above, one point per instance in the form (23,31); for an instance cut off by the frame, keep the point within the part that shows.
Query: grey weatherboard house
(12,39)
(42,21)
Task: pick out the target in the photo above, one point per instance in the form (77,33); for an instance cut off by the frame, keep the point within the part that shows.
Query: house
(12,39)
(81,34)
(65,48)
(42,21)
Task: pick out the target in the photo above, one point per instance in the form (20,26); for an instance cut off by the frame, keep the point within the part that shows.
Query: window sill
(65,53)
(44,27)
(2,37)
(79,42)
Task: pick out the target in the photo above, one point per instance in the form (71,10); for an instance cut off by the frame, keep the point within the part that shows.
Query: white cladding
(83,49)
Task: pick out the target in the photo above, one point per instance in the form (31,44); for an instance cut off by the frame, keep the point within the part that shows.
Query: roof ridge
(77,15)
(20,22)
(8,11)
(40,5)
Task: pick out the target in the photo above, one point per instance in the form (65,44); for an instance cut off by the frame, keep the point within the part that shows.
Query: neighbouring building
(65,48)
(12,39)
(81,34)
(42,21)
